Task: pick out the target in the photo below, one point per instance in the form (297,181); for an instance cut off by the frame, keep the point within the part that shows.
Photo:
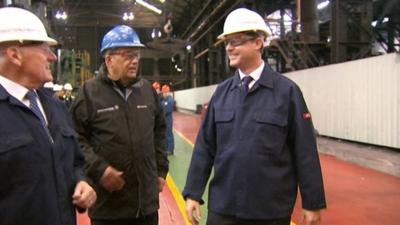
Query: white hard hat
(48,85)
(21,25)
(242,20)
(68,87)
(57,87)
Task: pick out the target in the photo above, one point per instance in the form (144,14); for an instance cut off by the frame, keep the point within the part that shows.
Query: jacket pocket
(224,116)
(224,120)
(68,141)
(15,141)
(271,130)
(271,118)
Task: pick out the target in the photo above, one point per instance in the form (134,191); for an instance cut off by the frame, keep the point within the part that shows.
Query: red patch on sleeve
(306,115)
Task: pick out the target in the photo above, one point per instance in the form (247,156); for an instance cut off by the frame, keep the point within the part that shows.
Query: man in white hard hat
(67,96)
(258,136)
(41,164)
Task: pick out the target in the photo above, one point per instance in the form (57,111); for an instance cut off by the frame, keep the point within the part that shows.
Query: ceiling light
(149,6)
(128,16)
(61,15)
(322,5)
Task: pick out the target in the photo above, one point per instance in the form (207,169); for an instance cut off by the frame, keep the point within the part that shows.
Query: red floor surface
(355,195)
(169,213)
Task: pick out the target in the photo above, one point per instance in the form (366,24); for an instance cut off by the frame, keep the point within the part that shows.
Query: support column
(309,21)
(338,32)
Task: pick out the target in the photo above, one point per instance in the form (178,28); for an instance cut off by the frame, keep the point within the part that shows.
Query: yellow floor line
(184,138)
(178,198)
(175,191)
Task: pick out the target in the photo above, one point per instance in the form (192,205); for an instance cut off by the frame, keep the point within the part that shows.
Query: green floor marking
(178,168)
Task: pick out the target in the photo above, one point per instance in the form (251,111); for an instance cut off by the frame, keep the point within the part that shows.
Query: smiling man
(41,164)
(258,138)
(122,133)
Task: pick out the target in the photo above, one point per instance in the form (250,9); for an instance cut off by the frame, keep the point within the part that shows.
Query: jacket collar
(266,79)
(43,94)
(5,96)
(103,76)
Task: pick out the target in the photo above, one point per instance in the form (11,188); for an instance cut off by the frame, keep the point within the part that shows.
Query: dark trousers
(151,219)
(218,219)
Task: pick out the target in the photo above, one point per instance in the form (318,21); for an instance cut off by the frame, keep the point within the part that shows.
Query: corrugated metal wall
(357,100)
(188,99)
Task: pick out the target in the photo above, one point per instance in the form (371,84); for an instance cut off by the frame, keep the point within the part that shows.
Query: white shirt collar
(256,74)
(16,90)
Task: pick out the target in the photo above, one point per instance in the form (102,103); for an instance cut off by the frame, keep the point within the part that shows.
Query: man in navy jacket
(41,165)
(258,136)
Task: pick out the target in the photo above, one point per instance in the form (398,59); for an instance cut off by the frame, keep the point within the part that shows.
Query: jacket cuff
(186,196)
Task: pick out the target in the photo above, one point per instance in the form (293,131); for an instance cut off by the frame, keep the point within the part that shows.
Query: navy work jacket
(38,177)
(262,147)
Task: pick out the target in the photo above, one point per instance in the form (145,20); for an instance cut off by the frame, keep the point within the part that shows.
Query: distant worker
(67,97)
(58,91)
(157,87)
(41,164)
(168,104)
(258,136)
(49,85)
(122,133)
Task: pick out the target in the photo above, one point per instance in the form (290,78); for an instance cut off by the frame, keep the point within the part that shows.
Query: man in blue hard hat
(122,134)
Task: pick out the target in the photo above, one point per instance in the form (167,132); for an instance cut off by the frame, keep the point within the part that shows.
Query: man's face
(241,49)
(123,63)
(35,63)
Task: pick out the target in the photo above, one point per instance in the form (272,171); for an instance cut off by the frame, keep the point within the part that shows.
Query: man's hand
(112,179)
(161,184)
(84,196)
(193,211)
(311,217)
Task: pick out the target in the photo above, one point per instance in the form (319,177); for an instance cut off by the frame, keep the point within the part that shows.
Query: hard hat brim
(48,40)
(223,35)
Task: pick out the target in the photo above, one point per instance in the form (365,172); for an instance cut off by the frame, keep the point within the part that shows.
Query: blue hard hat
(120,36)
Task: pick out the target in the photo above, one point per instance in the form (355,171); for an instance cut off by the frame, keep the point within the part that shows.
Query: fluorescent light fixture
(128,16)
(149,6)
(386,19)
(322,5)
(61,15)
(375,22)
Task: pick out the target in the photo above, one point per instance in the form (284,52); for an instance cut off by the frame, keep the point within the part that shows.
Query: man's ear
(260,42)
(107,60)
(14,55)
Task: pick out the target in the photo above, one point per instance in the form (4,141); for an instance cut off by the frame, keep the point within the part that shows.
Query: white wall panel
(357,100)
(188,99)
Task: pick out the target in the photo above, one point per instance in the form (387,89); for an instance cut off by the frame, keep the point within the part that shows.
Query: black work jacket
(262,148)
(127,134)
(38,176)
